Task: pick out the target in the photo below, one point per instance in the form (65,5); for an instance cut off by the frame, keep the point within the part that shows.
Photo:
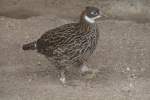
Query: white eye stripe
(90,20)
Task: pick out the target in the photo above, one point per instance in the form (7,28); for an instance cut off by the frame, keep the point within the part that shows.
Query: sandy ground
(122,57)
(137,10)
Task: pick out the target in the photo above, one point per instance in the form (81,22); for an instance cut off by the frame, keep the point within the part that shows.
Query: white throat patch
(90,20)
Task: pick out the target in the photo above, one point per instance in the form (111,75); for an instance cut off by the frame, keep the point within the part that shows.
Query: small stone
(29,80)
(128,68)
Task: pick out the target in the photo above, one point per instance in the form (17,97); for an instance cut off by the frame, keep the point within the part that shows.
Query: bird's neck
(85,25)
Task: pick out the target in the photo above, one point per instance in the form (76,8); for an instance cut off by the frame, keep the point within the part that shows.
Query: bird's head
(90,14)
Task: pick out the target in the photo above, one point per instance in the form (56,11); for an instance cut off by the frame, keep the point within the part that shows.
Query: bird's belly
(87,52)
(78,49)
(82,50)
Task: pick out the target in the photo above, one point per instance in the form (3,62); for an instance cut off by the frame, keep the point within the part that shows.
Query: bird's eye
(94,13)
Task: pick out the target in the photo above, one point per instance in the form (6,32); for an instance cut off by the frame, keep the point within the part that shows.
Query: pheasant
(71,44)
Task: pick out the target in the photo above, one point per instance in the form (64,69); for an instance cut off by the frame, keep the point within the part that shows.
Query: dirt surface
(122,58)
(136,10)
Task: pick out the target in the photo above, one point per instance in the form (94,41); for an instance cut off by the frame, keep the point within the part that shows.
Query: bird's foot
(67,83)
(63,80)
(91,74)
(88,73)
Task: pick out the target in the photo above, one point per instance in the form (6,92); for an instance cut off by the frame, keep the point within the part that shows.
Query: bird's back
(55,38)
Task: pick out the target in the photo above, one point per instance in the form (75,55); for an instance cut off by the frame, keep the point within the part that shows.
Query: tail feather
(29,46)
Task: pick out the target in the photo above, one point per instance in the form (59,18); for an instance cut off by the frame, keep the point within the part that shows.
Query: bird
(70,45)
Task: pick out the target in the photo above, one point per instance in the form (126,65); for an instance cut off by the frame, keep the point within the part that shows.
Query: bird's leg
(61,72)
(84,68)
(62,77)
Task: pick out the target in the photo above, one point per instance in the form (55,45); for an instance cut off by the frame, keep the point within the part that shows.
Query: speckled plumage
(71,42)
(68,44)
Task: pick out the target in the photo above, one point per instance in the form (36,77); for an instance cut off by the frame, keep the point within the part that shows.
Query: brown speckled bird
(69,44)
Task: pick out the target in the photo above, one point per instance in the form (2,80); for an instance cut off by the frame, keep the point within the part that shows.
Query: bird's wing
(56,37)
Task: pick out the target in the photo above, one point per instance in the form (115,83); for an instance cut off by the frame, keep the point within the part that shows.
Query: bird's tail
(30,46)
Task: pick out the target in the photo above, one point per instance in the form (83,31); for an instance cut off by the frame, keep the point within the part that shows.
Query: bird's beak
(97,17)
(100,16)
